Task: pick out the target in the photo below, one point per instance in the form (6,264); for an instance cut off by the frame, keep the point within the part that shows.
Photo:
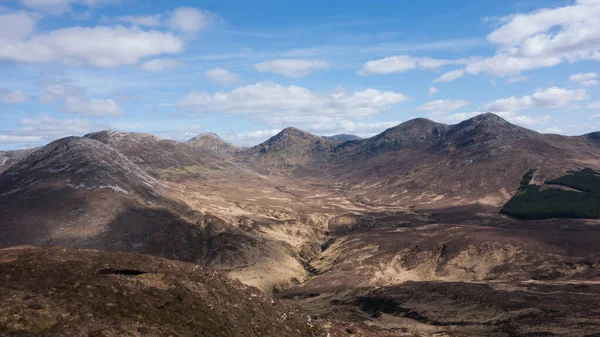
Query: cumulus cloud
(552,97)
(441,105)
(188,19)
(403,63)
(450,76)
(53,89)
(541,39)
(12,96)
(594,105)
(331,126)
(270,100)
(160,64)
(16,26)
(250,138)
(553,129)
(222,76)
(294,68)
(104,47)
(584,79)
(433,91)
(94,107)
(46,129)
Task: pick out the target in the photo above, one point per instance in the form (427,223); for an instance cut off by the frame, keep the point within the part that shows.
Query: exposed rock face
(287,150)
(213,142)
(155,154)
(76,162)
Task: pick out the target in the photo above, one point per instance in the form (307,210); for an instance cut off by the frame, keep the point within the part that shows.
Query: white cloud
(589,83)
(61,6)
(160,64)
(594,105)
(222,76)
(552,97)
(104,47)
(331,126)
(294,68)
(541,39)
(12,96)
(188,20)
(594,116)
(271,101)
(94,107)
(402,63)
(584,79)
(440,106)
(250,138)
(516,79)
(46,129)
(16,26)
(554,129)
(4,139)
(450,76)
(54,89)
(503,65)
(433,91)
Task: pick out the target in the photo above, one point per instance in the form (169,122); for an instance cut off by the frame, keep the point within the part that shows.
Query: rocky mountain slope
(212,142)
(287,151)
(323,222)
(9,158)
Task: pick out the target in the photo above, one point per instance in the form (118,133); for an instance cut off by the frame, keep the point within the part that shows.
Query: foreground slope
(59,292)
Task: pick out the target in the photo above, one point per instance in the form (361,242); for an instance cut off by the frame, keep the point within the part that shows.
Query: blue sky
(245,70)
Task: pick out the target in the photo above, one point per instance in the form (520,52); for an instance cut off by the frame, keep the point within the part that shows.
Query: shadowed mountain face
(322,222)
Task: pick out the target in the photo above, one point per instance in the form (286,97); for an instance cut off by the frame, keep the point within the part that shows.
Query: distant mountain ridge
(342,137)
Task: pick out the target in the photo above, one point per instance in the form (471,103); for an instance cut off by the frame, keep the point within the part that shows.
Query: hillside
(321,222)
(60,292)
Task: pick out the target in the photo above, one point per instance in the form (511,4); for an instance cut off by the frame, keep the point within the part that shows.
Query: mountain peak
(292,131)
(489,117)
(211,141)
(77,162)
(112,137)
(205,135)
(491,124)
(413,131)
(289,136)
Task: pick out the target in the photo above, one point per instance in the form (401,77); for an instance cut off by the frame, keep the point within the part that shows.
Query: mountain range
(348,228)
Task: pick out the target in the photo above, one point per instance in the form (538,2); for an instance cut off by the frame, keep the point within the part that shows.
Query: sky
(247,69)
